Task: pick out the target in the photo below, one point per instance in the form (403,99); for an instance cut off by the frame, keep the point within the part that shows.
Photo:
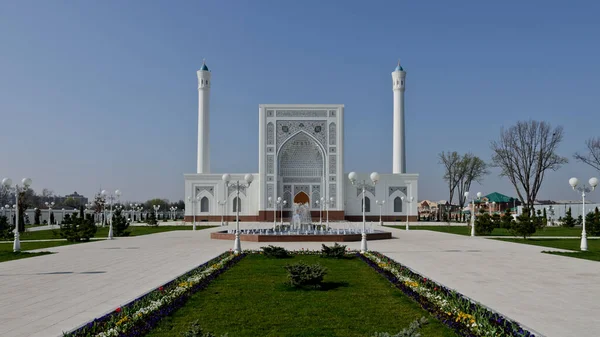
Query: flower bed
(141,315)
(465,316)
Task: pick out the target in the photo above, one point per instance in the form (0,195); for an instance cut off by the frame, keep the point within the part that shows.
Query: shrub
(6,230)
(76,229)
(120,224)
(38,215)
(151,219)
(592,222)
(275,252)
(301,274)
(196,331)
(411,331)
(568,220)
(496,220)
(483,224)
(525,224)
(336,251)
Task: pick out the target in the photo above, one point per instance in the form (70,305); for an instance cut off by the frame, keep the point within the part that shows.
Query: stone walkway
(46,295)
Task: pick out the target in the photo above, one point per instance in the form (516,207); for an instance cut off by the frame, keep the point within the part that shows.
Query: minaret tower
(399,148)
(203,119)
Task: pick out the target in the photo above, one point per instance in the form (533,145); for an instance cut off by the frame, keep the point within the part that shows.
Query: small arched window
(397,205)
(367,205)
(204,204)
(237,204)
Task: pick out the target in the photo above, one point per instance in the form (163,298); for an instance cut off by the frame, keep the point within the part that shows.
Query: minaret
(399,148)
(203,119)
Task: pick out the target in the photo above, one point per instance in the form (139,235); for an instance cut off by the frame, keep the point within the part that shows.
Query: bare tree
(592,158)
(6,196)
(450,160)
(524,153)
(470,168)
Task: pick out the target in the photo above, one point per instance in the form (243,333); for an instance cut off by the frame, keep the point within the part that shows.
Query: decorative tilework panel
(393,189)
(332,134)
(233,188)
(301,179)
(209,189)
(301,113)
(369,188)
(332,164)
(286,129)
(270,193)
(270,113)
(270,133)
(270,164)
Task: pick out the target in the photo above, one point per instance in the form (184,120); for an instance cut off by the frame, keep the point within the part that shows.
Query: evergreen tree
(38,215)
(483,224)
(525,225)
(151,219)
(6,230)
(579,221)
(568,220)
(52,218)
(120,224)
(77,228)
(592,223)
(507,219)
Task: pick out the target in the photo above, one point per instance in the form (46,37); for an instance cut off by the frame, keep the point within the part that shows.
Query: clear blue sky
(103,93)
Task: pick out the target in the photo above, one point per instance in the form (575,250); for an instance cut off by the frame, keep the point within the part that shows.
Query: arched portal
(301,198)
(301,156)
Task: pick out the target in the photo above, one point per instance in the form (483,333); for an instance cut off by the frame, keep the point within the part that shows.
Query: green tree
(497,220)
(38,215)
(483,224)
(568,220)
(78,228)
(151,219)
(579,221)
(525,225)
(592,223)
(120,224)
(70,202)
(507,219)
(6,230)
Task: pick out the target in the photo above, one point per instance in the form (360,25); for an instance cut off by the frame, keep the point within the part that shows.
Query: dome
(204,67)
(399,68)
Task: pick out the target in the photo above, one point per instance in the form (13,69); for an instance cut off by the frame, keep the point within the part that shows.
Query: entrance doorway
(301,198)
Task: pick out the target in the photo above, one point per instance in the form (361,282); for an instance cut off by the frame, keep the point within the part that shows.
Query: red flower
(424,280)
(435,289)
(161,289)
(118,309)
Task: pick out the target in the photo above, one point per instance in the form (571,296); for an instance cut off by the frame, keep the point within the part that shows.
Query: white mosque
(301,156)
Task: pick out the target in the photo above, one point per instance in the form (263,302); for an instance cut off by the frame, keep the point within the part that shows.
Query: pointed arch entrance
(301,198)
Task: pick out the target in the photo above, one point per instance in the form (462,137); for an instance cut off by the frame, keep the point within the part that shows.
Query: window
(204,204)
(237,204)
(397,205)
(367,205)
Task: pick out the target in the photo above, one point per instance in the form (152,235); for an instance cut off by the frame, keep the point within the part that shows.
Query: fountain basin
(289,237)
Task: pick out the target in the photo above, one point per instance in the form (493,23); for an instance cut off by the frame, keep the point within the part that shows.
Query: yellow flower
(122,320)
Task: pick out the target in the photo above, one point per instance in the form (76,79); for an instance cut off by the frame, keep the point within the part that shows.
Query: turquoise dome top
(399,68)
(204,67)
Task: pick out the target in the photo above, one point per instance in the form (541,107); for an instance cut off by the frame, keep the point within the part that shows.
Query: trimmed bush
(303,275)
(275,252)
(336,251)
(196,331)
(484,224)
(411,331)
(76,229)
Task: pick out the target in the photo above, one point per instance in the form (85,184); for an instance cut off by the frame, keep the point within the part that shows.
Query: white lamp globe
(278,199)
(412,198)
(26,182)
(226,177)
(103,192)
(402,198)
(248,178)
(593,182)
(573,182)
(375,177)
(467,194)
(7,182)
(118,193)
(479,194)
(331,199)
(269,198)
(352,176)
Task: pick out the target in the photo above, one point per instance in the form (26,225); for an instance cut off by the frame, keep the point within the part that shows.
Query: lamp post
(237,247)
(281,203)
(408,201)
(112,198)
(550,212)
(7,183)
(49,205)
(320,203)
(222,203)
(156,208)
(353,179)
(583,189)
(9,208)
(493,207)
(380,203)
(274,211)
(330,201)
(192,201)
(473,211)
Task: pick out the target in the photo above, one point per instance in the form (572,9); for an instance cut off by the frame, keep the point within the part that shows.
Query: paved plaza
(46,295)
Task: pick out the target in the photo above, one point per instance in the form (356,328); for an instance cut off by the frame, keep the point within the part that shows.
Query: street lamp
(320,203)
(407,200)
(7,183)
(274,212)
(583,189)
(550,211)
(222,203)
(380,203)
(353,179)
(237,247)
(112,198)
(49,205)
(473,211)
(282,203)
(328,206)
(156,208)
(193,202)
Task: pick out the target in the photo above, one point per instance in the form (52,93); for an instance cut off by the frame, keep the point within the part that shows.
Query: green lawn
(466,230)
(103,231)
(6,249)
(593,252)
(252,299)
